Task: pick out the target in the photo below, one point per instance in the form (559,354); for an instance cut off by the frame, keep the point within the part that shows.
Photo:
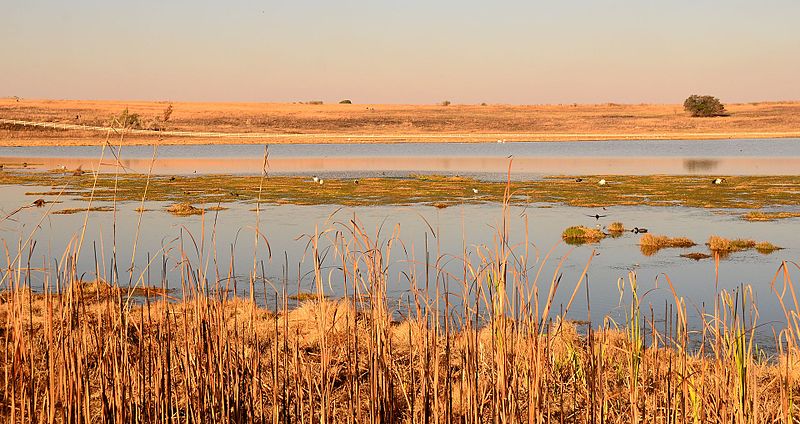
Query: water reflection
(643,157)
(696,166)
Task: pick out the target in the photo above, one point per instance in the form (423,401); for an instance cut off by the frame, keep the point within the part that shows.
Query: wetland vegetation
(752,193)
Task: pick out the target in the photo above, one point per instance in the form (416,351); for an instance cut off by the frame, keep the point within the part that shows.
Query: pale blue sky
(526,52)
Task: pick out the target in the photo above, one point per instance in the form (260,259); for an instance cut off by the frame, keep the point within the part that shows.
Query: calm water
(728,157)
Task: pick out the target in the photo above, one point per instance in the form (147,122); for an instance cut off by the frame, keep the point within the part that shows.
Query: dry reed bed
(84,352)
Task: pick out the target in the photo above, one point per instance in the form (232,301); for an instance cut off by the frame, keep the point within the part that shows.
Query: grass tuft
(184,209)
(580,235)
(721,244)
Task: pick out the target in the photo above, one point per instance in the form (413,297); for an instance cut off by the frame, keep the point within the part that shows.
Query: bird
(355,181)
(320,181)
(577,180)
(602,182)
(39,203)
(637,230)
(596,216)
(315,178)
(718,181)
(475,190)
(172,178)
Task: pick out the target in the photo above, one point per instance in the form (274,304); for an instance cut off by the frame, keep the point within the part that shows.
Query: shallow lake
(210,242)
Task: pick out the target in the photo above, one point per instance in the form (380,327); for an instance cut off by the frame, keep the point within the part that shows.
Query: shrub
(314,102)
(704,106)
(445,103)
(127,119)
(346,102)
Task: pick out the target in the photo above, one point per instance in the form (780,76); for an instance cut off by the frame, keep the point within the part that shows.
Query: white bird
(602,182)
(320,181)
(475,190)
(718,181)
(315,178)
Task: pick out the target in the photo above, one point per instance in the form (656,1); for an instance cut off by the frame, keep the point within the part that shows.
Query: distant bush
(345,102)
(704,106)
(445,103)
(127,119)
(314,102)
(483,104)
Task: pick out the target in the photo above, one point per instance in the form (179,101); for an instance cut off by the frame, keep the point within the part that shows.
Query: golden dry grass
(665,242)
(321,360)
(371,123)
(722,244)
(650,244)
(616,227)
(766,247)
(184,209)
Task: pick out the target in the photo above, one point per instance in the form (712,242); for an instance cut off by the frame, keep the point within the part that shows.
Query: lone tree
(704,106)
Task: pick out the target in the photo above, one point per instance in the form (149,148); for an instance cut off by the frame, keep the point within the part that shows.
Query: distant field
(298,123)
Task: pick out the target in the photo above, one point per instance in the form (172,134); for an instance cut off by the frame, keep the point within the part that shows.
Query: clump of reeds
(766,247)
(722,244)
(580,234)
(650,244)
(662,242)
(616,227)
(184,209)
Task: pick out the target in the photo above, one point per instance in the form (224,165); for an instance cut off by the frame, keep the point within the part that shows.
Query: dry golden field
(296,122)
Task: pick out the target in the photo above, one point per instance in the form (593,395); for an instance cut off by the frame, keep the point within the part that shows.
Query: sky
(518,52)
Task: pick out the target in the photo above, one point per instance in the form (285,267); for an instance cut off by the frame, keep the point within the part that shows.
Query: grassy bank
(370,123)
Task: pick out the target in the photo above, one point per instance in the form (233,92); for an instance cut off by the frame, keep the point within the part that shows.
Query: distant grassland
(750,193)
(364,123)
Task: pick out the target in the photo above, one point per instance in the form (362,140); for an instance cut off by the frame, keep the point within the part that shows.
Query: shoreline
(81,122)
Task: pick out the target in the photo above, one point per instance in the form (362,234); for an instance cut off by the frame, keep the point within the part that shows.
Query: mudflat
(259,123)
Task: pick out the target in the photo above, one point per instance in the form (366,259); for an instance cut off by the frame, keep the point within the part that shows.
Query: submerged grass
(696,255)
